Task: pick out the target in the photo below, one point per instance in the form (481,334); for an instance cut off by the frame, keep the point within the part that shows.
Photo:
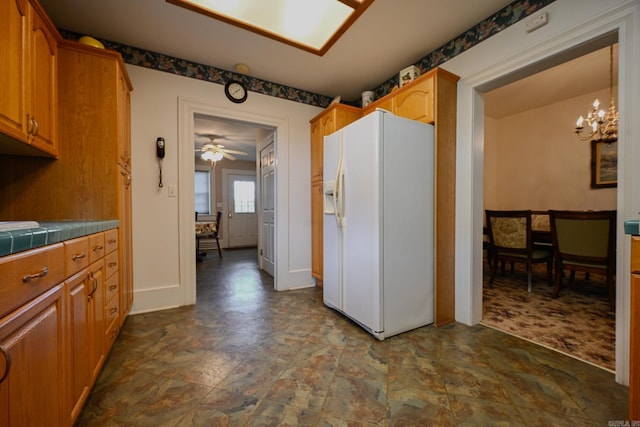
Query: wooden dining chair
(214,235)
(510,240)
(584,241)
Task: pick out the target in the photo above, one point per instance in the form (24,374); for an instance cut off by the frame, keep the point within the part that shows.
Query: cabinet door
(316,151)
(416,103)
(32,338)
(86,328)
(95,312)
(634,351)
(124,119)
(78,289)
(125,247)
(13,109)
(43,84)
(316,230)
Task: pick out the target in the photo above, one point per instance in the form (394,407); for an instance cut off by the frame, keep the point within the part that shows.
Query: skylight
(311,25)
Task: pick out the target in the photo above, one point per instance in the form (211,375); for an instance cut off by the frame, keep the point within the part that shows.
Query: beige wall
(533,160)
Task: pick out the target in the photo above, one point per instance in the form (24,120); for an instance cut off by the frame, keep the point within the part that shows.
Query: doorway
(277,127)
(523,170)
(470,168)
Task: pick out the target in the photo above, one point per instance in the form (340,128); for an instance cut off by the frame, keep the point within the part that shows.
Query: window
(203,192)
(245,196)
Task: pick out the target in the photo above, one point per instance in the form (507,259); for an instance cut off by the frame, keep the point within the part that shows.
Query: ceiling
(389,36)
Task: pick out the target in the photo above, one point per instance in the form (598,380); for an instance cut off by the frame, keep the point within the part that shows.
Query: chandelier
(602,125)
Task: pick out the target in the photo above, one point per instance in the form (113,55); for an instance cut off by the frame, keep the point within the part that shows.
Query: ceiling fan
(214,152)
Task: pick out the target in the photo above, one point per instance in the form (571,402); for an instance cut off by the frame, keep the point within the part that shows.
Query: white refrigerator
(378,223)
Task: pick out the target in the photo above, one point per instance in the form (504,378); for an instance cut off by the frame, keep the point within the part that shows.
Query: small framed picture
(604,164)
(408,75)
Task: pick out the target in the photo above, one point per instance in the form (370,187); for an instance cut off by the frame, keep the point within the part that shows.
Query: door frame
(225,197)
(470,155)
(187,109)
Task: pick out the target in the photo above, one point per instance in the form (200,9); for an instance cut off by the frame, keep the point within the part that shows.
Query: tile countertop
(48,233)
(632,227)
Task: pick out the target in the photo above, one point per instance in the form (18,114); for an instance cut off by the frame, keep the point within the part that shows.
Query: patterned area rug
(578,323)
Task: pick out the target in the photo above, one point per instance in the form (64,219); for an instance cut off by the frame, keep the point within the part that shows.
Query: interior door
(242,216)
(267,194)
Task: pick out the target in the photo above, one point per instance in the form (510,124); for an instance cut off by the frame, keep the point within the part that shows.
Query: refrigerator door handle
(338,194)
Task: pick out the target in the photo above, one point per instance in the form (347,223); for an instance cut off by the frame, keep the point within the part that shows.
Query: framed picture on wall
(604,164)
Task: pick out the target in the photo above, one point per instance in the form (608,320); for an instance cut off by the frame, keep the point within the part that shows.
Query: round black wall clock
(235,91)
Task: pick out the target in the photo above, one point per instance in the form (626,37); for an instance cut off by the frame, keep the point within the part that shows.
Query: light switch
(173,191)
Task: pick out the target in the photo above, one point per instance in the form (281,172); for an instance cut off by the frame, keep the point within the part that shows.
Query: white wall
(161,278)
(533,160)
(571,23)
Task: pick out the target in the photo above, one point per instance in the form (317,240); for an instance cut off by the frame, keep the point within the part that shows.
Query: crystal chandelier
(603,125)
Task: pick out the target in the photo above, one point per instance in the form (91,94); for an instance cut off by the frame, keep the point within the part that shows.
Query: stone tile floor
(246,355)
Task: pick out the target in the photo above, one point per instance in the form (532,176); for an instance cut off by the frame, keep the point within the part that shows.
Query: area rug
(578,323)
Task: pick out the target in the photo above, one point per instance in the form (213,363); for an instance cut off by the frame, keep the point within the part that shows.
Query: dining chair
(584,241)
(213,235)
(510,240)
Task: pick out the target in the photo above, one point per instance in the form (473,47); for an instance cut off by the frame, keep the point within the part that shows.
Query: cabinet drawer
(96,247)
(76,255)
(112,287)
(112,316)
(28,274)
(111,240)
(111,334)
(111,264)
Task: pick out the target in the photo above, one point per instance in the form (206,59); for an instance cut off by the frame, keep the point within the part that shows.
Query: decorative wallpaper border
(506,17)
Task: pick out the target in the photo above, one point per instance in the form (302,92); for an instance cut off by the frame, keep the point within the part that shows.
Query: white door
(268,199)
(242,217)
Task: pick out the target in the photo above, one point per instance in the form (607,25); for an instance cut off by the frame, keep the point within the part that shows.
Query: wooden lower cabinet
(32,338)
(634,321)
(317,230)
(53,344)
(85,326)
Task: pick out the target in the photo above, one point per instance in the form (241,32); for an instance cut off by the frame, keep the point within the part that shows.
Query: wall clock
(235,91)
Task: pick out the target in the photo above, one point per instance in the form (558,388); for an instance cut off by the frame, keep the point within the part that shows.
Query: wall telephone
(160,151)
(160,147)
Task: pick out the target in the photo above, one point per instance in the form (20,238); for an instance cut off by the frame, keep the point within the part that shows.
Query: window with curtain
(203,192)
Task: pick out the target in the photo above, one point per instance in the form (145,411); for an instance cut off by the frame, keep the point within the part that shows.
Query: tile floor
(246,355)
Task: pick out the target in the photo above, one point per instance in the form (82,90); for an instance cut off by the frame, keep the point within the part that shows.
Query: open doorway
(227,150)
(534,161)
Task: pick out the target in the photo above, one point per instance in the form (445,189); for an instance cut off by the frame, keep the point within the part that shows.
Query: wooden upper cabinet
(28,70)
(330,120)
(43,85)
(13,109)
(124,119)
(417,103)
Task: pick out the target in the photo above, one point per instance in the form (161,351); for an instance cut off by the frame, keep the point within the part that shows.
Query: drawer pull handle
(94,286)
(37,275)
(7,363)
(98,248)
(113,310)
(113,264)
(112,241)
(78,256)
(113,288)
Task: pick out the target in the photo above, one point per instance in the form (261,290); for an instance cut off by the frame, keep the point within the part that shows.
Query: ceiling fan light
(210,156)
